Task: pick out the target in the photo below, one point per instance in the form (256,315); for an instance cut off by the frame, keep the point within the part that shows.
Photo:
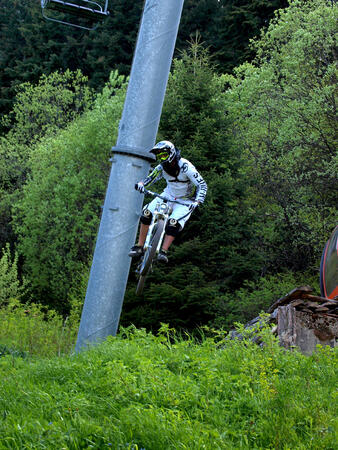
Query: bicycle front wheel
(151,250)
(140,284)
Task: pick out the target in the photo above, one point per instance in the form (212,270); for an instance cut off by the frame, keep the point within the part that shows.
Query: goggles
(162,156)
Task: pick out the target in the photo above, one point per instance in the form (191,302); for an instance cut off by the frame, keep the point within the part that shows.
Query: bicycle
(155,235)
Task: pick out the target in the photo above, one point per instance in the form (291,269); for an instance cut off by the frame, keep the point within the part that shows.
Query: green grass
(32,329)
(140,391)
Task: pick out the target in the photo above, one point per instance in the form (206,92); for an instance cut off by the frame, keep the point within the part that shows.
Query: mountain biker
(183,182)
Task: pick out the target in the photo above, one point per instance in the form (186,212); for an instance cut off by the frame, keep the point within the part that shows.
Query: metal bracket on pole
(134,151)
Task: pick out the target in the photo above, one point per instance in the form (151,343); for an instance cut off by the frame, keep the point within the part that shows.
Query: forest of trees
(251,101)
(32,47)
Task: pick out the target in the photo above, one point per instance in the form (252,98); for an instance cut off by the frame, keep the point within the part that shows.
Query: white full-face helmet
(164,151)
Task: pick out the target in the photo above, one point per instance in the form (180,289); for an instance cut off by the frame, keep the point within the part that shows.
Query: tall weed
(32,329)
(10,285)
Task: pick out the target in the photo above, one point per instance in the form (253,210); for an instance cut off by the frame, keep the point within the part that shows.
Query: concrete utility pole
(130,163)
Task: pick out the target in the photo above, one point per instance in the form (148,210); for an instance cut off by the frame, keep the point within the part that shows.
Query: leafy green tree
(57,217)
(39,110)
(282,110)
(48,106)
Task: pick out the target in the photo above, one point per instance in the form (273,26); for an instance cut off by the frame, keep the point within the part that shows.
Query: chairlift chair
(92,11)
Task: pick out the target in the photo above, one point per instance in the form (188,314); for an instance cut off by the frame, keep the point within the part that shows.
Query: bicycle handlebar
(155,194)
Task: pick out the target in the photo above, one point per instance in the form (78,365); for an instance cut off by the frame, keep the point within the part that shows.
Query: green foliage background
(263,137)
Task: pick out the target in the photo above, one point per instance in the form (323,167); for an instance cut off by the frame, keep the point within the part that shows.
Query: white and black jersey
(187,184)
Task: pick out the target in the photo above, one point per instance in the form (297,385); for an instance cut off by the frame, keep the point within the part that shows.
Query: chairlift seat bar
(77,10)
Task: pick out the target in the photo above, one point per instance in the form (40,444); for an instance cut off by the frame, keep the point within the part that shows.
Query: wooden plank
(296,303)
(330,304)
(316,298)
(313,305)
(297,293)
(321,309)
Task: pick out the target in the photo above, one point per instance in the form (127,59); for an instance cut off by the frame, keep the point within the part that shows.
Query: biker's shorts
(180,212)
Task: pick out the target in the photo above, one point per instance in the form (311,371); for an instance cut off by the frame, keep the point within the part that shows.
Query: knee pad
(146,217)
(173,228)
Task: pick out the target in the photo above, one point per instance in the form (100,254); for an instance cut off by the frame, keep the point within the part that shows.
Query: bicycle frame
(162,211)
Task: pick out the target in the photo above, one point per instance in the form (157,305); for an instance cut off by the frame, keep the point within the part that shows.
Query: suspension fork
(152,225)
(150,231)
(159,245)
